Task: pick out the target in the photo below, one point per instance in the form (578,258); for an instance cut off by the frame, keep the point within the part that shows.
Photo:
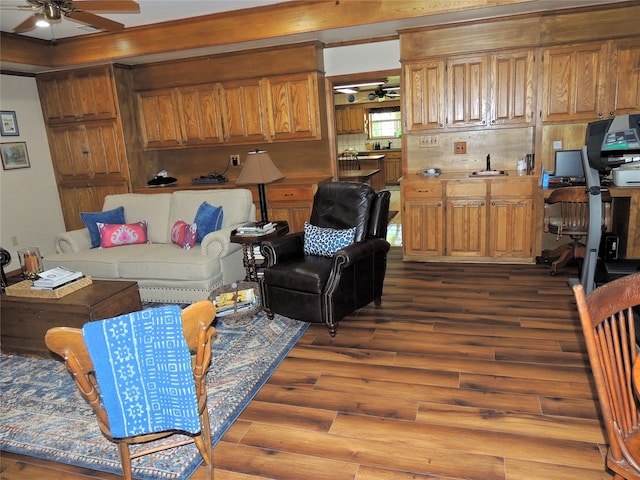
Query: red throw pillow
(117,234)
(184,234)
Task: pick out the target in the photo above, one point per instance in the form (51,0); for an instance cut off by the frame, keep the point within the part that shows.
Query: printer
(627,175)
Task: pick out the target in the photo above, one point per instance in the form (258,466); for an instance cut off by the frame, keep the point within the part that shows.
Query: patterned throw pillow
(91,220)
(209,219)
(116,234)
(326,241)
(184,234)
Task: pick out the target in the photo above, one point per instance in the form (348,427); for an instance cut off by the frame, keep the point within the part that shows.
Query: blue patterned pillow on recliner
(326,241)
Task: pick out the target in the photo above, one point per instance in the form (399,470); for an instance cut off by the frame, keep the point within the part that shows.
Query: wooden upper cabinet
(77,95)
(350,119)
(243,106)
(624,84)
(424,89)
(159,121)
(467,92)
(293,107)
(511,91)
(574,82)
(200,115)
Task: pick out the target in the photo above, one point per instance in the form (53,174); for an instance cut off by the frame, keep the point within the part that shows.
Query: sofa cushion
(236,203)
(152,207)
(209,219)
(118,234)
(91,220)
(326,241)
(168,262)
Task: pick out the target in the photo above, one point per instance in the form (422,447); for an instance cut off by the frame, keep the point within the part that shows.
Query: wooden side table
(249,242)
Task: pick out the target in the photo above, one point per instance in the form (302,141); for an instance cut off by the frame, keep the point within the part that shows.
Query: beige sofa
(164,271)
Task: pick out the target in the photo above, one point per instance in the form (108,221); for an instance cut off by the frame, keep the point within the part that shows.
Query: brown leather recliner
(326,289)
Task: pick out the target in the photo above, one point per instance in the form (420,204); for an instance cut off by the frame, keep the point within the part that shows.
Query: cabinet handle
(484,122)
(423,191)
(493,204)
(611,114)
(441,125)
(599,114)
(288,194)
(439,204)
(493,122)
(482,204)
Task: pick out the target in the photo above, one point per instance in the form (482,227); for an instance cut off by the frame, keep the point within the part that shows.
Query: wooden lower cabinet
(291,200)
(460,219)
(393,167)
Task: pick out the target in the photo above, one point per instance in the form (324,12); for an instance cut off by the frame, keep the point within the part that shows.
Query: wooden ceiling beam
(229,28)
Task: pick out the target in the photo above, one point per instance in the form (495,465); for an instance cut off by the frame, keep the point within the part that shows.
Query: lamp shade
(258,169)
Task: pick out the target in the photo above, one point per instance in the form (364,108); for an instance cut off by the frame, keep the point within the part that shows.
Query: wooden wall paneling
(469,37)
(231,66)
(590,25)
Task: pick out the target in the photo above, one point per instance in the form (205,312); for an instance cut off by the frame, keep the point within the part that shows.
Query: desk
(359,175)
(626,218)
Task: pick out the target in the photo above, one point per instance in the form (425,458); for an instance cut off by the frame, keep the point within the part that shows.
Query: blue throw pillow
(208,219)
(108,216)
(326,241)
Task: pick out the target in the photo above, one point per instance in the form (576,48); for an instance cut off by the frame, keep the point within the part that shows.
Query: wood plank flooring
(466,371)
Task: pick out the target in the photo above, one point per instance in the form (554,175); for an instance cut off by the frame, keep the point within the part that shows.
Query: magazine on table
(55,278)
(256,228)
(235,302)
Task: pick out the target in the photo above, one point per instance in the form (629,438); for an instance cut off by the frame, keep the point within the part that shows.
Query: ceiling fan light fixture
(42,23)
(52,11)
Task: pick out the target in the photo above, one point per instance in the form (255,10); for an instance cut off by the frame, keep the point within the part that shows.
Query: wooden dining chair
(607,317)
(198,332)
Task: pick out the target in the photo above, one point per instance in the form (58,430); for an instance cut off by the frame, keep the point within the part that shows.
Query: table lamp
(258,170)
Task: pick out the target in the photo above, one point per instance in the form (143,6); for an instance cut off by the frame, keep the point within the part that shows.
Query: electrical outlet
(428,141)
(459,147)
(235,160)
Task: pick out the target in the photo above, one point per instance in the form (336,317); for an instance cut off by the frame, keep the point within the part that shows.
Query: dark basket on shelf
(235,287)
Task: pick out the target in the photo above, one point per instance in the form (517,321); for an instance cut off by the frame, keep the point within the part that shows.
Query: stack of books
(239,301)
(256,229)
(55,278)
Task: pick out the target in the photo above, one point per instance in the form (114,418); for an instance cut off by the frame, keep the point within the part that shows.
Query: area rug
(43,415)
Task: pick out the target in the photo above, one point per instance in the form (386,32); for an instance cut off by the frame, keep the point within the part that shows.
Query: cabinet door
(158,113)
(510,227)
(423,227)
(87,151)
(293,107)
(85,198)
(624,85)
(573,82)
(512,88)
(467,91)
(243,112)
(424,88)
(200,116)
(393,167)
(466,227)
(349,120)
(77,95)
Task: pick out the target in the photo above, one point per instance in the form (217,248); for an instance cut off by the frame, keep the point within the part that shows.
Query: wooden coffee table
(25,320)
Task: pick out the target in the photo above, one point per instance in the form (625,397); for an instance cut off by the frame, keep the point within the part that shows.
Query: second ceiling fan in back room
(53,11)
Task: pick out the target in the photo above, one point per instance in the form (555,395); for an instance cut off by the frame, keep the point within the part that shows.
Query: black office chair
(317,288)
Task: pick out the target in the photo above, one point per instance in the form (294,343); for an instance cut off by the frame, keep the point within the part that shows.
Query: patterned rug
(43,415)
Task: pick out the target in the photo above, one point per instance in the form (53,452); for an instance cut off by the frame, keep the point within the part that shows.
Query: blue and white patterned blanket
(143,368)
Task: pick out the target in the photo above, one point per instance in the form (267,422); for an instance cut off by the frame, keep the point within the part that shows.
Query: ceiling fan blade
(95,21)
(28,24)
(107,6)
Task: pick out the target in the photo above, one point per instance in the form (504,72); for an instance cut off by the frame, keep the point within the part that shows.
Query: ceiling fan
(381,92)
(52,11)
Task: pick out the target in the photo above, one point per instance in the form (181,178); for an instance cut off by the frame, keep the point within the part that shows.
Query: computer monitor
(568,164)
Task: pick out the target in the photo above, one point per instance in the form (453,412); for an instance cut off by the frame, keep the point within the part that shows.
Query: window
(385,122)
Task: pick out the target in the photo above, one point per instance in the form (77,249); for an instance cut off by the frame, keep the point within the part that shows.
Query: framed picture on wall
(8,124)
(14,155)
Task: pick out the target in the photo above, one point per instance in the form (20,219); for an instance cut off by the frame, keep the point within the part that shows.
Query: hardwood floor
(465,371)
